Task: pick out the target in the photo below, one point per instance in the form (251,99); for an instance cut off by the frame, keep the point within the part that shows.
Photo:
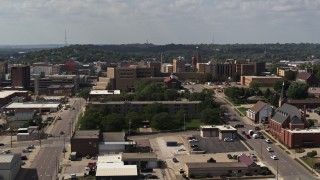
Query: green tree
(236,77)
(135,119)
(273,99)
(254,85)
(310,123)
(152,109)
(84,93)
(163,121)
(267,93)
(113,122)
(298,90)
(171,94)
(278,85)
(211,116)
(290,75)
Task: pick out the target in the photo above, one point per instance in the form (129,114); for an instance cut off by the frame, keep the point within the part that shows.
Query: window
(90,142)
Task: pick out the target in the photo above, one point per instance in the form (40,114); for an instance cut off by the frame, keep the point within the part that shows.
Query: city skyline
(159,22)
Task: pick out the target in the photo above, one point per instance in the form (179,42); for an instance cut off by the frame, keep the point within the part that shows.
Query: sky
(24,22)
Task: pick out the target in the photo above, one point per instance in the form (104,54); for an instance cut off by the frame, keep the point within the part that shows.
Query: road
(287,167)
(51,151)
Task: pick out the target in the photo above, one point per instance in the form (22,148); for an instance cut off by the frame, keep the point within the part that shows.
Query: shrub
(209,175)
(248,174)
(300,150)
(312,154)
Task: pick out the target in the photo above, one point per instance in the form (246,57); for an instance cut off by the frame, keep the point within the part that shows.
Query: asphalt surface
(287,167)
(44,166)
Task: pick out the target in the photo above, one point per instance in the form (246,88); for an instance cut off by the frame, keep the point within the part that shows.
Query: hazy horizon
(103,22)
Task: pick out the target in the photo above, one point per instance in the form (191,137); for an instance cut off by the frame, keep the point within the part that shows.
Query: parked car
(238,126)
(247,136)
(24,158)
(193,140)
(1,144)
(274,157)
(268,141)
(61,132)
(147,170)
(228,140)
(181,170)
(175,160)
(211,160)
(6,151)
(31,146)
(269,149)
(26,150)
(194,146)
(229,156)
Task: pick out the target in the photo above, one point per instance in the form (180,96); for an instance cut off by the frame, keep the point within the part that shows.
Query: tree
(312,154)
(254,85)
(298,90)
(267,93)
(310,123)
(211,116)
(113,123)
(290,75)
(171,94)
(278,85)
(163,121)
(135,119)
(84,93)
(236,77)
(152,109)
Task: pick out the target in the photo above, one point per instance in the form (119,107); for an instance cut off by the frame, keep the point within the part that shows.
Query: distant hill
(113,53)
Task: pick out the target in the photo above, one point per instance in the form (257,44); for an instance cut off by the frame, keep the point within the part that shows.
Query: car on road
(193,140)
(24,158)
(229,156)
(274,157)
(194,146)
(181,170)
(269,149)
(247,136)
(268,141)
(26,150)
(228,140)
(238,126)
(31,146)
(175,160)
(6,151)
(1,144)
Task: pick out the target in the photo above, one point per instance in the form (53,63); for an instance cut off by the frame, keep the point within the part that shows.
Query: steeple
(282,98)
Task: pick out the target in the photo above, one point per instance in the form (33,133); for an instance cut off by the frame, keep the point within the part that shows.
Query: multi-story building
(220,70)
(20,76)
(41,68)
(3,69)
(261,80)
(123,78)
(167,68)
(10,165)
(178,65)
(190,107)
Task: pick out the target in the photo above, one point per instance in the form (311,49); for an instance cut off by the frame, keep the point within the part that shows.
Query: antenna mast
(65,38)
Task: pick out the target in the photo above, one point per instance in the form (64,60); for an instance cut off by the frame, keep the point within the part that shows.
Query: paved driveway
(215,145)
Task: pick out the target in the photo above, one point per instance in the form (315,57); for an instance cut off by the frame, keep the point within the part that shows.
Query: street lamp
(130,122)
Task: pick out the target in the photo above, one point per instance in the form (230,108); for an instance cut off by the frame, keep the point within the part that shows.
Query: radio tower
(65,38)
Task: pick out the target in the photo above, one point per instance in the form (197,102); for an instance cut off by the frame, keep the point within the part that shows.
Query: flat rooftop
(313,130)
(219,165)
(221,128)
(139,156)
(86,134)
(4,94)
(264,77)
(33,105)
(148,102)
(104,92)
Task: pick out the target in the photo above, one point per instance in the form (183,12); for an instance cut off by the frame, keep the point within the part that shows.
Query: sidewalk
(293,154)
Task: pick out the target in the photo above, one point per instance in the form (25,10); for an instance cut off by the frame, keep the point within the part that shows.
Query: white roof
(104,92)
(32,105)
(4,94)
(6,158)
(115,158)
(116,169)
(316,130)
(221,128)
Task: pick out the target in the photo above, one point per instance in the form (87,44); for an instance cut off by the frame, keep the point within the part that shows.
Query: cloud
(161,21)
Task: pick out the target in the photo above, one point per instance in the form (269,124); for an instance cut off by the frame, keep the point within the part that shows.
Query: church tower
(282,98)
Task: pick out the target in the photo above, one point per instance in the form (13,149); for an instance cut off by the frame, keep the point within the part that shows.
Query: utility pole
(129,126)
(260,148)
(184,122)
(277,170)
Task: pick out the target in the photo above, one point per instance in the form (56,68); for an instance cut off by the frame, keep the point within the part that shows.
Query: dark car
(229,156)
(238,126)
(248,136)
(211,160)
(147,170)
(1,144)
(175,160)
(194,146)
(24,158)
(152,176)
(61,132)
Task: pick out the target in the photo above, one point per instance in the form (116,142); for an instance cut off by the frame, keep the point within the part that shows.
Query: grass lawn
(311,161)
(243,110)
(193,124)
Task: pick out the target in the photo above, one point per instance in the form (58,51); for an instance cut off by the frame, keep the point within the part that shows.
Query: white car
(269,149)
(274,157)
(193,140)
(228,140)
(268,141)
